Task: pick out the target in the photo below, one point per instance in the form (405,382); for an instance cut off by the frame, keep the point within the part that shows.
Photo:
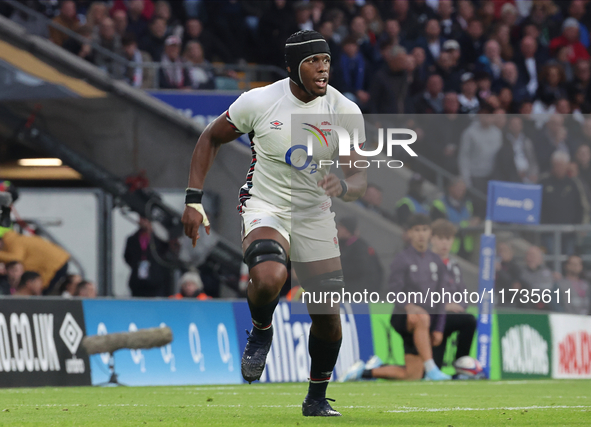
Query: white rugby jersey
(280,168)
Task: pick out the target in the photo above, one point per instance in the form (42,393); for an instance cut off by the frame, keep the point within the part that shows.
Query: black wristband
(345,189)
(192,195)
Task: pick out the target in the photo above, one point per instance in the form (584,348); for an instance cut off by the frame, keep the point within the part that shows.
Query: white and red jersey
(279,165)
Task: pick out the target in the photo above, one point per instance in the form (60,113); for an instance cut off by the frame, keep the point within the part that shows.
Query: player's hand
(454,308)
(191,220)
(414,309)
(436,338)
(331,184)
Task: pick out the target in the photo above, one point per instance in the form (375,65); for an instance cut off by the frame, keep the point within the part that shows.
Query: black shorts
(398,322)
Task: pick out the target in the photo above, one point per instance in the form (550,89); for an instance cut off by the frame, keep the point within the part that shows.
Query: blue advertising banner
(288,359)
(202,107)
(204,349)
(516,203)
(486,285)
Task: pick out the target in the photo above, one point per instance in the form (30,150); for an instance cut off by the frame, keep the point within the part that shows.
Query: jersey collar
(296,101)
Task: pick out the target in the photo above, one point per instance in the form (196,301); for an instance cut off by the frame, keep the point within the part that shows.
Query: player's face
(419,237)
(441,245)
(314,74)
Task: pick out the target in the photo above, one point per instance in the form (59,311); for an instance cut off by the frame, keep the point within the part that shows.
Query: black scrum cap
(300,46)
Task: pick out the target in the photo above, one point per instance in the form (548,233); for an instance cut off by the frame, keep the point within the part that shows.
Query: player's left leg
(465,324)
(325,338)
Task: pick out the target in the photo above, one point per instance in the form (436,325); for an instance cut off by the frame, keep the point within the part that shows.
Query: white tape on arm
(199,208)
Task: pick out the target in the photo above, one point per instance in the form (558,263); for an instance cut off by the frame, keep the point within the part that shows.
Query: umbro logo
(275,124)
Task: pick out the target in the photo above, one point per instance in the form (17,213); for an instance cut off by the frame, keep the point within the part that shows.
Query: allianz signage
(514,203)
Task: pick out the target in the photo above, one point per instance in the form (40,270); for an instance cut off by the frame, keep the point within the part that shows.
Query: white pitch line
(500,408)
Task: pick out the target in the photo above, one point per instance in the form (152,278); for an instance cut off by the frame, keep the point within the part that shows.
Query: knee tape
(264,250)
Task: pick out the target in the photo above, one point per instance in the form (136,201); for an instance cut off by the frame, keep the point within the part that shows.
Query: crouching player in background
(416,269)
(456,320)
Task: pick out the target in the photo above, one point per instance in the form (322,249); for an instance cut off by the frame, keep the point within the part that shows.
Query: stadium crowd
(445,60)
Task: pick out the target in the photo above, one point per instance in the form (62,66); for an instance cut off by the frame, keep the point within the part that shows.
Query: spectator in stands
(361,267)
(30,285)
(120,20)
(111,41)
(535,275)
(580,290)
(82,50)
(450,27)
(472,43)
(68,287)
(584,191)
(508,273)
(576,10)
(554,137)
(86,289)
(372,200)
(510,80)
(409,30)
(443,236)
(570,39)
(200,72)
(350,72)
(491,61)
(359,32)
(67,18)
(561,201)
(173,74)
(132,6)
(443,134)
(326,29)
(417,70)
(95,15)
(191,287)
(431,101)
(36,254)
(465,13)
(137,21)
(583,161)
(374,22)
(457,209)
(431,42)
(391,33)
(153,41)
(139,76)
(389,88)
(516,160)
(276,25)
(484,86)
(469,103)
(414,202)
(9,282)
(213,48)
(478,148)
(502,35)
(144,253)
(580,83)
(448,71)
(528,64)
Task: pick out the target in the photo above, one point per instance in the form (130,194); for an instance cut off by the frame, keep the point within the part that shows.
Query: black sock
(262,317)
(366,375)
(324,356)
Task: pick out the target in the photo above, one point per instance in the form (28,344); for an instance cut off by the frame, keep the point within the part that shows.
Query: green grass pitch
(456,403)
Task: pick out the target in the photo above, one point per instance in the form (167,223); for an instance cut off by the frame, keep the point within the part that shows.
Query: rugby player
(269,233)
(416,269)
(457,319)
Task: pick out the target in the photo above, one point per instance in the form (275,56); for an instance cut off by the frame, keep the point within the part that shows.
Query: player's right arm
(218,132)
